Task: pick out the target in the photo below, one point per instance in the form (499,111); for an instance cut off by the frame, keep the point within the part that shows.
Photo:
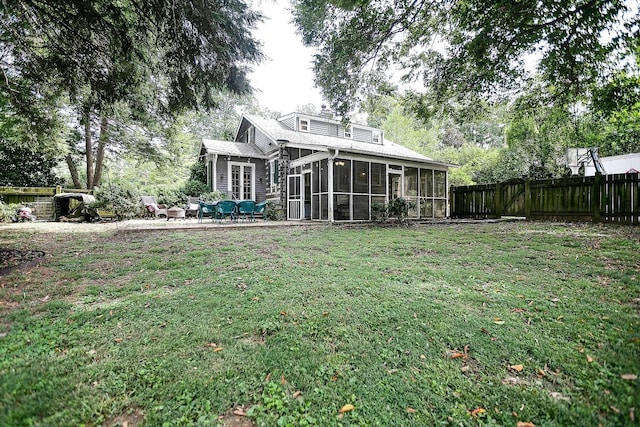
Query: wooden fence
(600,198)
(40,199)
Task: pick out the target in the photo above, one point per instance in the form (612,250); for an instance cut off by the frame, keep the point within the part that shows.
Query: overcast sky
(284,81)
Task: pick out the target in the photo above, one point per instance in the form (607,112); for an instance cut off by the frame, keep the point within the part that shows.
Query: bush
(124,202)
(399,208)
(274,211)
(7,212)
(379,212)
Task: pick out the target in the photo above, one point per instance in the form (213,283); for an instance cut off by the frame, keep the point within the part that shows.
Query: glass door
(294,197)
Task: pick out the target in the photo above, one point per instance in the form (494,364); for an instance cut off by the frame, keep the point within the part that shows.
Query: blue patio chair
(259,209)
(206,209)
(245,209)
(226,208)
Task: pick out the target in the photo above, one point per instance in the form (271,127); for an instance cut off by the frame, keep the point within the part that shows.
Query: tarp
(74,206)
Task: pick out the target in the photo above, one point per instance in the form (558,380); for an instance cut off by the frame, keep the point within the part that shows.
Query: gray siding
(262,142)
(323,128)
(362,135)
(290,123)
(260,172)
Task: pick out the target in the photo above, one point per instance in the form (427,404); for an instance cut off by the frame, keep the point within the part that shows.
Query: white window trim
(376,137)
(308,125)
(253,178)
(348,132)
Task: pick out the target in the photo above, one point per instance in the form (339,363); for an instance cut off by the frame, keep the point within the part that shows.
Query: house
(318,168)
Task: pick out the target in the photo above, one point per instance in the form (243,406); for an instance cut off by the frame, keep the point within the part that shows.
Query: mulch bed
(11,259)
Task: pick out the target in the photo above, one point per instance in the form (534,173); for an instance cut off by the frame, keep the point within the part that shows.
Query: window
(347,131)
(342,176)
(376,137)
(304,125)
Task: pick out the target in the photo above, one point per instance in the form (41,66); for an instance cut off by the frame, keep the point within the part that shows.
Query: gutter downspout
(330,184)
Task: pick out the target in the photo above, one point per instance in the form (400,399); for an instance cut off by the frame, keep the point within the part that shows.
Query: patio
(134,225)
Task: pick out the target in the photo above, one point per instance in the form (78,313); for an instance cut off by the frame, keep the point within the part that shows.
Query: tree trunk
(88,146)
(102,142)
(73,171)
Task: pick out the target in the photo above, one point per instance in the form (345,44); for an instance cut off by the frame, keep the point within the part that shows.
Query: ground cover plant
(469,324)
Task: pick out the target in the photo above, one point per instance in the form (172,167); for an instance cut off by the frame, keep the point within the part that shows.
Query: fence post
(497,200)
(596,197)
(58,190)
(527,198)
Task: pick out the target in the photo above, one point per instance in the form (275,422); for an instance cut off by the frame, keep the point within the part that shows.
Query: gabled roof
(278,132)
(236,149)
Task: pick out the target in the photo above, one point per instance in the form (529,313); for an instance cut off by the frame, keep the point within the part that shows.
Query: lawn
(468,324)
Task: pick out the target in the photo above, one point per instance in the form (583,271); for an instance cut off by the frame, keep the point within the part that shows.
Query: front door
(395,185)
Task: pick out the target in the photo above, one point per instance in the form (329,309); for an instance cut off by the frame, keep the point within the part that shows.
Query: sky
(284,81)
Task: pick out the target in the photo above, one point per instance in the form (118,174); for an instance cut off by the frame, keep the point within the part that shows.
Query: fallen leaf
(346,408)
(283,380)
(118,339)
(212,344)
(297,394)
(525,424)
(255,298)
(632,414)
(614,409)
(422,356)
(268,377)
(411,410)
(217,349)
(498,321)
(283,313)
(560,318)
(465,369)
(558,396)
(484,331)
(240,412)
(589,359)
(457,355)
(542,373)
(325,313)
(477,412)
(630,377)
(517,368)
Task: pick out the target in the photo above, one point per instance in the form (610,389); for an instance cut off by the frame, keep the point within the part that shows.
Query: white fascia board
(315,157)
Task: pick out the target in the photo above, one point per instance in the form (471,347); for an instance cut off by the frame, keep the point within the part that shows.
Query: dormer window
(376,137)
(347,131)
(303,125)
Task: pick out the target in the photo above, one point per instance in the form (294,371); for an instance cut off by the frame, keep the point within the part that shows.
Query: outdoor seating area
(232,210)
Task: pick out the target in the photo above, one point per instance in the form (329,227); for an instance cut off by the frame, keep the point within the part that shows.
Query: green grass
(181,328)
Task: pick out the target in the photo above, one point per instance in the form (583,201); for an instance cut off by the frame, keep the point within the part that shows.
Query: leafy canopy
(463,50)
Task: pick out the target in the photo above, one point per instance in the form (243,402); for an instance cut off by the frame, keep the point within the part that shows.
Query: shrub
(116,197)
(379,212)
(274,211)
(399,208)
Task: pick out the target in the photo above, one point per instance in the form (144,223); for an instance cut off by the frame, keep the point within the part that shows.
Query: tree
(154,57)
(464,50)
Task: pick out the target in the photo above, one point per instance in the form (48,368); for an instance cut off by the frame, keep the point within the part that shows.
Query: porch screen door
(294,197)
(242,187)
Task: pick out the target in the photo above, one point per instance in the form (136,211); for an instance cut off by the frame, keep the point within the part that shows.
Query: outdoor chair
(245,209)
(226,208)
(192,207)
(205,209)
(259,209)
(152,207)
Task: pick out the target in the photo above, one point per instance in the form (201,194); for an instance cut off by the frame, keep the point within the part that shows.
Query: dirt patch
(11,259)
(236,418)
(132,418)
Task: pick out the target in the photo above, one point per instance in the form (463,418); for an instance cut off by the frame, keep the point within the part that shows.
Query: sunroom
(341,186)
